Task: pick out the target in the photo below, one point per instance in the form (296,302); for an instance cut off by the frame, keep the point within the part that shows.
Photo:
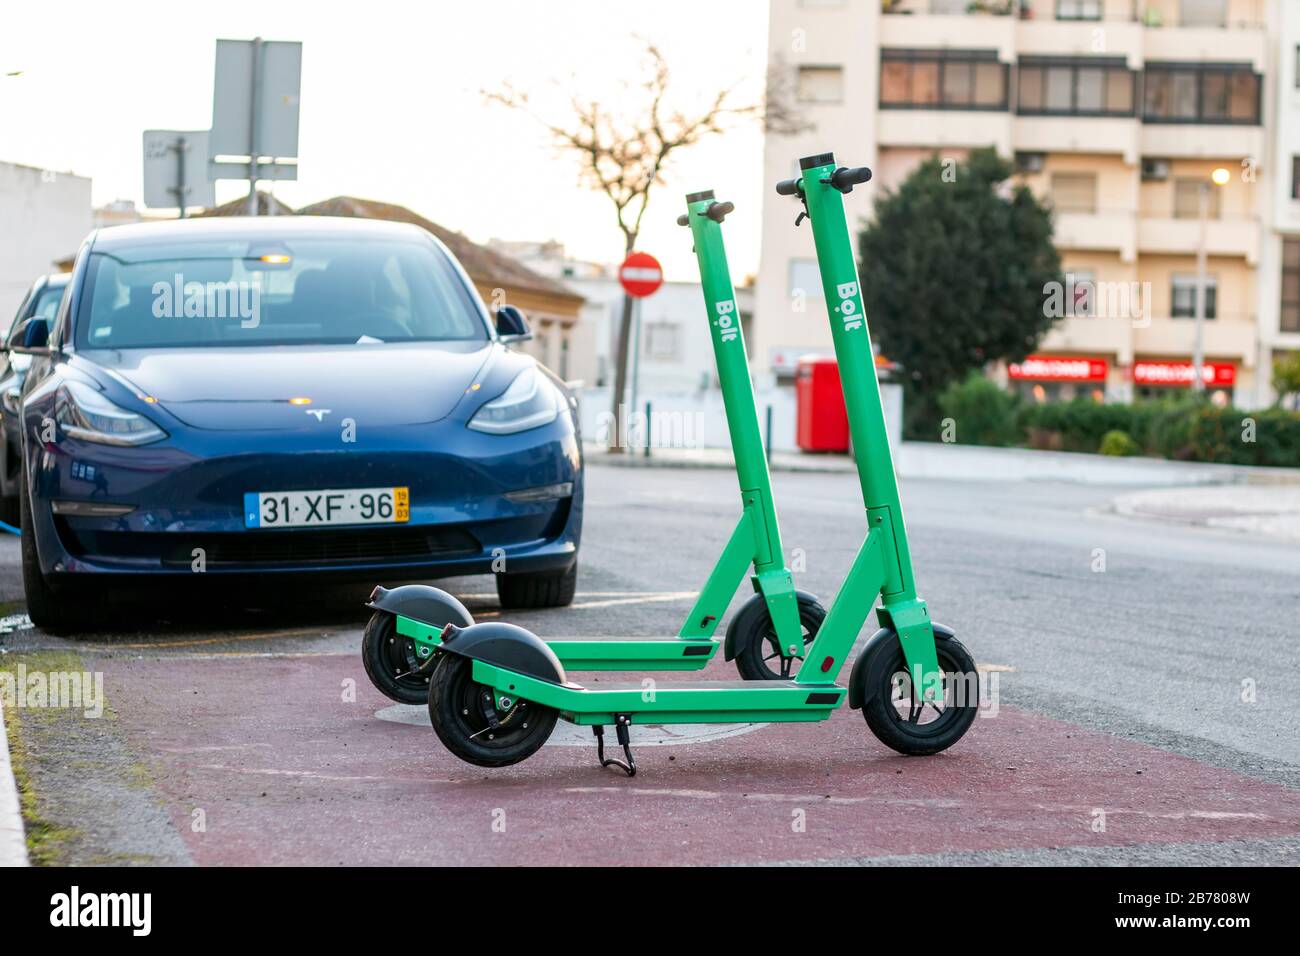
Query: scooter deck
(595,653)
(675,702)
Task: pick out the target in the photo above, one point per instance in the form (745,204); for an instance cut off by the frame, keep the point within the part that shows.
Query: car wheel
(48,609)
(9,511)
(538,588)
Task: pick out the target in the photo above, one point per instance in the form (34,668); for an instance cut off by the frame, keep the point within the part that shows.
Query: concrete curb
(13,840)
(979,463)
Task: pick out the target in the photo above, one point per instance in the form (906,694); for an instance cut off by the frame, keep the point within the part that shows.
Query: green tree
(957,266)
(1286,377)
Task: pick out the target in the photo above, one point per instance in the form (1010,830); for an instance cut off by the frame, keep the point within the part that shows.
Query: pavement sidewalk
(977,463)
(1272,512)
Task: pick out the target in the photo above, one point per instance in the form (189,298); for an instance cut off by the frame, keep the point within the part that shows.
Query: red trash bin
(822,424)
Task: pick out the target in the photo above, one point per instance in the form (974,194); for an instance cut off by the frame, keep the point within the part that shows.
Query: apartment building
(1116,111)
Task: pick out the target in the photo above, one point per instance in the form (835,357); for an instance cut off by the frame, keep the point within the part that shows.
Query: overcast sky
(391,108)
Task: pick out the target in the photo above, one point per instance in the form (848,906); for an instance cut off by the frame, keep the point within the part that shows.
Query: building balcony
(1229,337)
(964,129)
(1201,141)
(926,24)
(1091,336)
(1079,134)
(1101,231)
(1182,237)
(1048,37)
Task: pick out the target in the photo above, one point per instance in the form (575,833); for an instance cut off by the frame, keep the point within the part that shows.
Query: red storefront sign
(1216,374)
(1054,368)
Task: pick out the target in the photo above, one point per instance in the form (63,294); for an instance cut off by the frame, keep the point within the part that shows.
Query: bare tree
(623,152)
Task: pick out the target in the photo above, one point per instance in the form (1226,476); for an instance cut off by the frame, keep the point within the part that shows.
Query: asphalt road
(1146,707)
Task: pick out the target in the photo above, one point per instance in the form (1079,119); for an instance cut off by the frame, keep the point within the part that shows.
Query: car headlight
(85,413)
(530,401)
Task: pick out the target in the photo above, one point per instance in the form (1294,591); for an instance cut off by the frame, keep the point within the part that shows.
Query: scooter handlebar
(788,187)
(846,177)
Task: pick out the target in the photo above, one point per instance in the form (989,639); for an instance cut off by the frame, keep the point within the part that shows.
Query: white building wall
(44,216)
(1282,215)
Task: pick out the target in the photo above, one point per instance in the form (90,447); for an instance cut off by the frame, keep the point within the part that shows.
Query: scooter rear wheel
(757,655)
(460,709)
(390,658)
(902,721)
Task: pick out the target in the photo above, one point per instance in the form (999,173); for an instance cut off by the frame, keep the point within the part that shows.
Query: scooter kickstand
(621,722)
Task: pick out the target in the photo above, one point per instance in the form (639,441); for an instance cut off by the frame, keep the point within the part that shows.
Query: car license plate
(297,509)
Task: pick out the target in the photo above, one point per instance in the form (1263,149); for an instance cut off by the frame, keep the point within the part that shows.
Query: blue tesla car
(223,398)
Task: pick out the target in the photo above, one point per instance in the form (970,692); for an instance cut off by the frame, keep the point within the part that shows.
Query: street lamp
(1220,177)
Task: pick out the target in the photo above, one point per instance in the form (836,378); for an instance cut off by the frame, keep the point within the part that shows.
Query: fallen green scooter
(497,689)
(765,637)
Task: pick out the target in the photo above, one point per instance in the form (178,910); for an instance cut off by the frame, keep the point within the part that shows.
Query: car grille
(268,548)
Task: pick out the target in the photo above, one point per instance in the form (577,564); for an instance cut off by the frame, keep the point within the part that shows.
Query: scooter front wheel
(477,727)
(391,661)
(759,655)
(903,721)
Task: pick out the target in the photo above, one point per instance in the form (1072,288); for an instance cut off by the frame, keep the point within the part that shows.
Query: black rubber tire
(386,654)
(533,589)
(52,611)
(754,641)
(455,711)
(922,739)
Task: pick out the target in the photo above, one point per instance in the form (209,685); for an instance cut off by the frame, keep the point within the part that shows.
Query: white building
(44,216)
(1279,295)
(1117,112)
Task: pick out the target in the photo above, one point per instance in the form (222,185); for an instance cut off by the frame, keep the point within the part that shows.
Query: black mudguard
(505,645)
(423,603)
(740,621)
(875,657)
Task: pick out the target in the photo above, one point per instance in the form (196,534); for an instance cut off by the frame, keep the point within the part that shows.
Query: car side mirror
(511,325)
(32,337)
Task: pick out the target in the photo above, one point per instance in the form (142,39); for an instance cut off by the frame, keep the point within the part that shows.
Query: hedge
(1187,428)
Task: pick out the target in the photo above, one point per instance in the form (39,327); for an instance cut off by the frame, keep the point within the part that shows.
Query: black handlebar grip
(683,220)
(788,187)
(718,211)
(845,178)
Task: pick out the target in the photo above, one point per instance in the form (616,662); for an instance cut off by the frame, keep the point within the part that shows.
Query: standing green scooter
(765,637)
(498,689)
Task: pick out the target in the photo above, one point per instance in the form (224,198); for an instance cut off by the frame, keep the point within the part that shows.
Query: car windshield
(279,292)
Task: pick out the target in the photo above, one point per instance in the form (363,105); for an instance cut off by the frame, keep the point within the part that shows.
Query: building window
(1290,318)
(1071,86)
(942,80)
(805,279)
(821,84)
(1295,177)
(1183,297)
(1187,199)
(663,341)
(1078,9)
(1200,93)
(1297,67)
(1074,192)
(1204,13)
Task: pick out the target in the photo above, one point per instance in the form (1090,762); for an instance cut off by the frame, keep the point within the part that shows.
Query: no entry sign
(641,275)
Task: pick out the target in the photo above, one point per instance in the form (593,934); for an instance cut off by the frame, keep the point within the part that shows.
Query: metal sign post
(175,169)
(255,112)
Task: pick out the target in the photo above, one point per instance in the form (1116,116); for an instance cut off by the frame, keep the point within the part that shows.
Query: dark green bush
(983,413)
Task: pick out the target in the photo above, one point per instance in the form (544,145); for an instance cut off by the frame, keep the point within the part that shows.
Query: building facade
(1117,112)
(44,215)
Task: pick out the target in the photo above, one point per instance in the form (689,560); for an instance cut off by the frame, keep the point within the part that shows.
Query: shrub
(983,412)
(1119,444)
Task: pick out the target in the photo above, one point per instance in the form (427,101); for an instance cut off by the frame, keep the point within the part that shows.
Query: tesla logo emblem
(320,413)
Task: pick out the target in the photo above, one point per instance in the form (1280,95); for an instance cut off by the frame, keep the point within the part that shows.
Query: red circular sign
(641,275)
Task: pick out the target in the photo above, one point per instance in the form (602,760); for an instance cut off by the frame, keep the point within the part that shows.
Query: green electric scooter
(765,637)
(498,689)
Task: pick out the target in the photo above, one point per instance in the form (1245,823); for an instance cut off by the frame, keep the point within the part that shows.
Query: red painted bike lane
(287,770)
